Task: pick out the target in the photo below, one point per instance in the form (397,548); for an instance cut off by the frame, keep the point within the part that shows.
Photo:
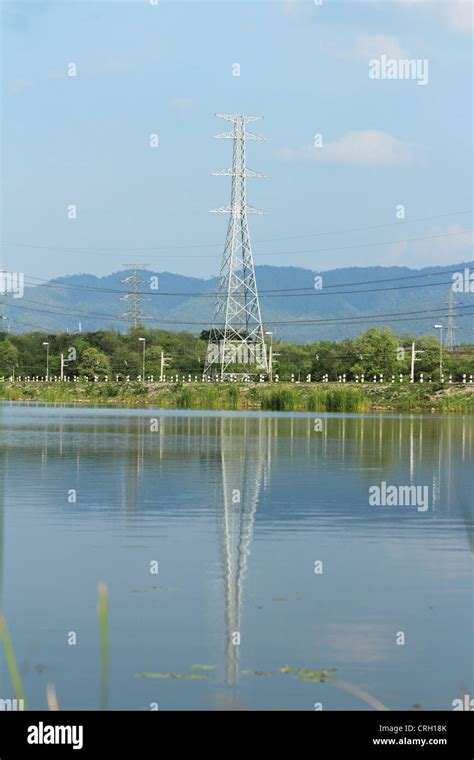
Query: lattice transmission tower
(236,336)
(134,297)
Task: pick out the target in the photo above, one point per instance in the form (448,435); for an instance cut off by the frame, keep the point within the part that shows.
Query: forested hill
(349,301)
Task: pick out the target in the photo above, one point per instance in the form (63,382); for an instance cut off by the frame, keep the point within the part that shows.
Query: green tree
(292,360)
(332,358)
(93,362)
(153,361)
(376,353)
(8,357)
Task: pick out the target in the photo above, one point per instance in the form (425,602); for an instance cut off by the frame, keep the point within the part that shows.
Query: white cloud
(374,45)
(458,14)
(442,246)
(368,147)
(367,46)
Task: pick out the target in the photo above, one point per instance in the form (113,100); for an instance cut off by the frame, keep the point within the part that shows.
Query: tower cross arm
(253,136)
(238,117)
(233,173)
(236,136)
(228,209)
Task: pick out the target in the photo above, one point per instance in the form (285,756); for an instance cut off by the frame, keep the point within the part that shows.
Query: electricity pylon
(134,297)
(236,335)
(451,327)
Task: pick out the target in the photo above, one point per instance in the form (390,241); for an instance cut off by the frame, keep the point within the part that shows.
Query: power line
(350,318)
(98,252)
(321,292)
(211,294)
(262,240)
(125,317)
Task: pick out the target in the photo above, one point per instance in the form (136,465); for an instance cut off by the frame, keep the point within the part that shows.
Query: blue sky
(166,69)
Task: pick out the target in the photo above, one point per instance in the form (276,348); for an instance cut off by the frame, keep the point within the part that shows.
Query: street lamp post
(47,359)
(440,328)
(270,358)
(143,340)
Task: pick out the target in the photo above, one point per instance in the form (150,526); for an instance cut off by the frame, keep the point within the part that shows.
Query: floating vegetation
(309,675)
(316,676)
(198,666)
(180,676)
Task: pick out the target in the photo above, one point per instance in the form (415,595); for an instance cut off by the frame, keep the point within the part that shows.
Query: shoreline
(283,396)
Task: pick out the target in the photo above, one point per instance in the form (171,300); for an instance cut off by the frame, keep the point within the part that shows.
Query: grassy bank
(286,397)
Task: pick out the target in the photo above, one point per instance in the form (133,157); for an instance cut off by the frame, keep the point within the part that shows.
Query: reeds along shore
(282,397)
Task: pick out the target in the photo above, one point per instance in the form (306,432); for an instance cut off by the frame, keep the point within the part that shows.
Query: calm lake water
(236,509)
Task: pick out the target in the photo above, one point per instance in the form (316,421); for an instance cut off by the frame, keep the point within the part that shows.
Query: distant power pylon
(451,327)
(236,336)
(134,297)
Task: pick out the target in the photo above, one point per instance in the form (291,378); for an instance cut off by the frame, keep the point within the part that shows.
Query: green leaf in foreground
(11,661)
(103,615)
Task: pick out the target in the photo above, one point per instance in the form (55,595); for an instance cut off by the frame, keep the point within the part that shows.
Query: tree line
(105,352)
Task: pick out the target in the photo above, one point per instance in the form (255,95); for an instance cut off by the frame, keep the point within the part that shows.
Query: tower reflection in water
(245,467)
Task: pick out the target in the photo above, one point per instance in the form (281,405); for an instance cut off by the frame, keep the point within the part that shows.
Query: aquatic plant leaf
(315,676)
(11,661)
(179,676)
(310,675)
(198,666)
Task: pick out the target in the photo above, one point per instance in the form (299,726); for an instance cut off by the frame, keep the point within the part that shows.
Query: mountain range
(349,300)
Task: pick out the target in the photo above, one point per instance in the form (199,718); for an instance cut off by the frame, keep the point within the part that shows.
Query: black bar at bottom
(375,734)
